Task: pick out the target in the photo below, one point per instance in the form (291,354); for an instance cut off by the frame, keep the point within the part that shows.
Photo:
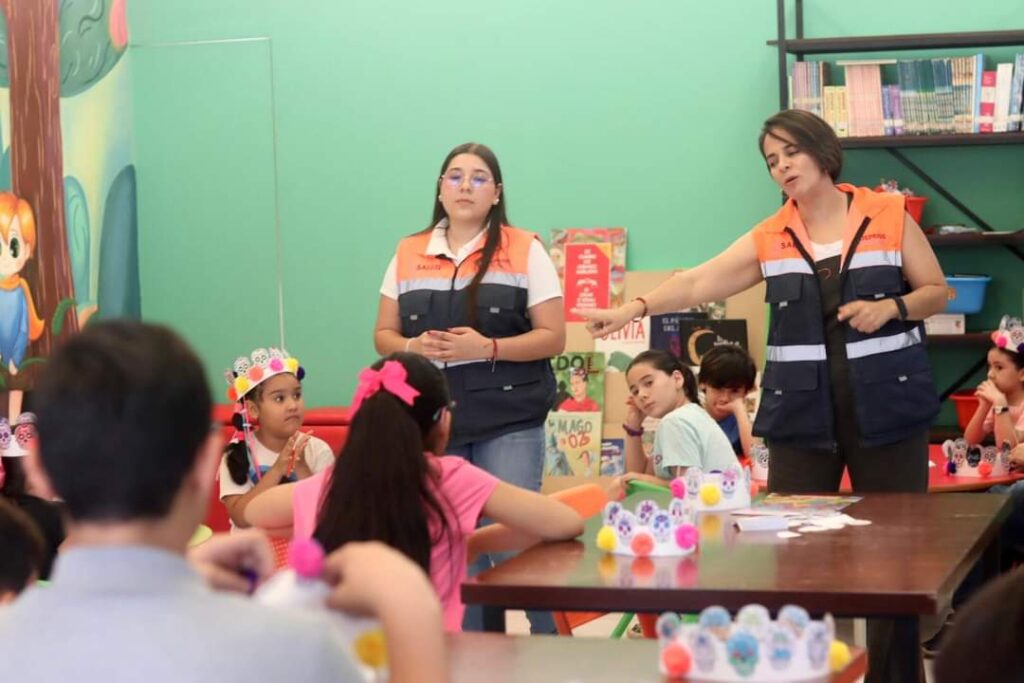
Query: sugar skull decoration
(965,460)
(753,647)
(650,531)
(17,441)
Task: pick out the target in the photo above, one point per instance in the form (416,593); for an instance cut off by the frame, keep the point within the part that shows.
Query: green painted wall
(603,113)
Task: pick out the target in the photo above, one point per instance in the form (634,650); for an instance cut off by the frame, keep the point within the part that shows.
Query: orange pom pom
(985,469)
(232,394)
(255,373)
(642,545)
(676,660)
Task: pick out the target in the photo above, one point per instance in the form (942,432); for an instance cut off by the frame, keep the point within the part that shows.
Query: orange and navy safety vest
(889,372)
(491,399)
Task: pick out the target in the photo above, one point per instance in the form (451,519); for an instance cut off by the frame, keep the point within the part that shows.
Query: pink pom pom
(306,557)
(276,364)
(678,488)
(1001,341)
(985,469)
(676,660)
(686,536)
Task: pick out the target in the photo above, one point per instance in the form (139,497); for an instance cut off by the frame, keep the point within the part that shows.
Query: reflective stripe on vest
(443,284)
(875,345)
(794,352)
(785,266)
(869,259)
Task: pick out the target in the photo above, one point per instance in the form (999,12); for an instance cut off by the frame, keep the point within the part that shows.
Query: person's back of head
(727,366)
(21,551)
(986,643)
(123,409)
(381,487)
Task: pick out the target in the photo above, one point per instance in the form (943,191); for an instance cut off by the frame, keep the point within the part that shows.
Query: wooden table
(552,659)
(908,562)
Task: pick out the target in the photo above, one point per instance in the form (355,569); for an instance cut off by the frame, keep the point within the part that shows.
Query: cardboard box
(616,391)
(577,339)
(946,323)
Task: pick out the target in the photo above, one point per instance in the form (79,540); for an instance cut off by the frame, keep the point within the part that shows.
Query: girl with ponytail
(391,484)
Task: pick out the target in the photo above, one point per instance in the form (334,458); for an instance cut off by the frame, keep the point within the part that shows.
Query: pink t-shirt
(464,489)
(1016,414)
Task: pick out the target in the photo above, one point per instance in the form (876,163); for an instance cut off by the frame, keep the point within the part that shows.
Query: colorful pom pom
(371,649)
(687,536)
(1000,340)
(675,658)
(642,544)
(678,488)
(985,469)
(300,374)
(306,557)
(838,656)
(255,374)
(241,386)
(710,494)
(276,365)
(950,467)
(606,539)
(292,364)
(232,394)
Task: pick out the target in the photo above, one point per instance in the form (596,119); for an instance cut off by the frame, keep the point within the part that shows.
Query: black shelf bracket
(948,196)
(959,381)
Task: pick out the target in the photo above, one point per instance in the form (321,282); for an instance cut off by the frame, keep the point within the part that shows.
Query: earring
(497,199)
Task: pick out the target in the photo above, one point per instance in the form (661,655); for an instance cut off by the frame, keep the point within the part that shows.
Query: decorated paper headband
(728,489)
(16,443)
(391,378)
(759,462)
(751,648)
(965,460)
(248,373)
(650,531)
(1010,335)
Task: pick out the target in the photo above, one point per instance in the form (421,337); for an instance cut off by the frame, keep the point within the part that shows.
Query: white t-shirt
(542,277)
(826,251)
(689,437)
(318,456)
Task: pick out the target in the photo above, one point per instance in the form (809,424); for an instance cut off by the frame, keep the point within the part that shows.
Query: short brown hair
(811,134)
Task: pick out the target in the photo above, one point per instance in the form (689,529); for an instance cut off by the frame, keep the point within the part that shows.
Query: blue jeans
(518,459)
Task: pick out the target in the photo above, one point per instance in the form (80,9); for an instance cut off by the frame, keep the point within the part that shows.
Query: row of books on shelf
(938,96)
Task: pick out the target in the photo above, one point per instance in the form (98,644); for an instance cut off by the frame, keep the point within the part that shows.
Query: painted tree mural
(51,49)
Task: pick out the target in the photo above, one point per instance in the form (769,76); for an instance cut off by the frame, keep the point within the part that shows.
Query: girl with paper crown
(389,484)
(1001,396)
(266,387)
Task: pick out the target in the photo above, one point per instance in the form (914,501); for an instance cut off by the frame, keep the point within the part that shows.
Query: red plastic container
(915,207)
(966,404)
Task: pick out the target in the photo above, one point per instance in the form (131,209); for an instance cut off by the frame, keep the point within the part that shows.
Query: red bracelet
(644,302)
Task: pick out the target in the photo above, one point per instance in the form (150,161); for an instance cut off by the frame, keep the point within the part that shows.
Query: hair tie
(391,377)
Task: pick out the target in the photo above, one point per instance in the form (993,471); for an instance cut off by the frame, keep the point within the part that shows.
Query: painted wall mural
(68,222)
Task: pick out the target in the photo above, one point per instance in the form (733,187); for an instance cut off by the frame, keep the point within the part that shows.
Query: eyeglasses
(455,179)
(440,411)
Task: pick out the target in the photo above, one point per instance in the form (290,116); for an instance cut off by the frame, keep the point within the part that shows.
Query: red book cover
(987,107)
(587,277)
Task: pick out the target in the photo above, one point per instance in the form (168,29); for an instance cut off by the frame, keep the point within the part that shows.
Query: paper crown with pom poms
(965,460)
(717,490)
(16,439)
(650,531)
(1010,335)
(751,648)
(248,373)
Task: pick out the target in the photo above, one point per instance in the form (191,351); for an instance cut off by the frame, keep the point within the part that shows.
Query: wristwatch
(901,307)
(999,410)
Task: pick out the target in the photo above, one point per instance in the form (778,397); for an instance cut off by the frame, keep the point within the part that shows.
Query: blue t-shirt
(688,437)
(731,428)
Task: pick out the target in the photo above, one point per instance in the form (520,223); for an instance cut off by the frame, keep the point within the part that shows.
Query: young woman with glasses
(483,301)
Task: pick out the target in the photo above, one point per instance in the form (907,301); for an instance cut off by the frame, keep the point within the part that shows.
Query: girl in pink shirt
(1001,396)
(388,485)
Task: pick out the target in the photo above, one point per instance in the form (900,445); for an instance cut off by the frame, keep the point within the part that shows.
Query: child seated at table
(661,386)
(727,375)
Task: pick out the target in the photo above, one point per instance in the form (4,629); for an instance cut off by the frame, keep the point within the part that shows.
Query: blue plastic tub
(967,293)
